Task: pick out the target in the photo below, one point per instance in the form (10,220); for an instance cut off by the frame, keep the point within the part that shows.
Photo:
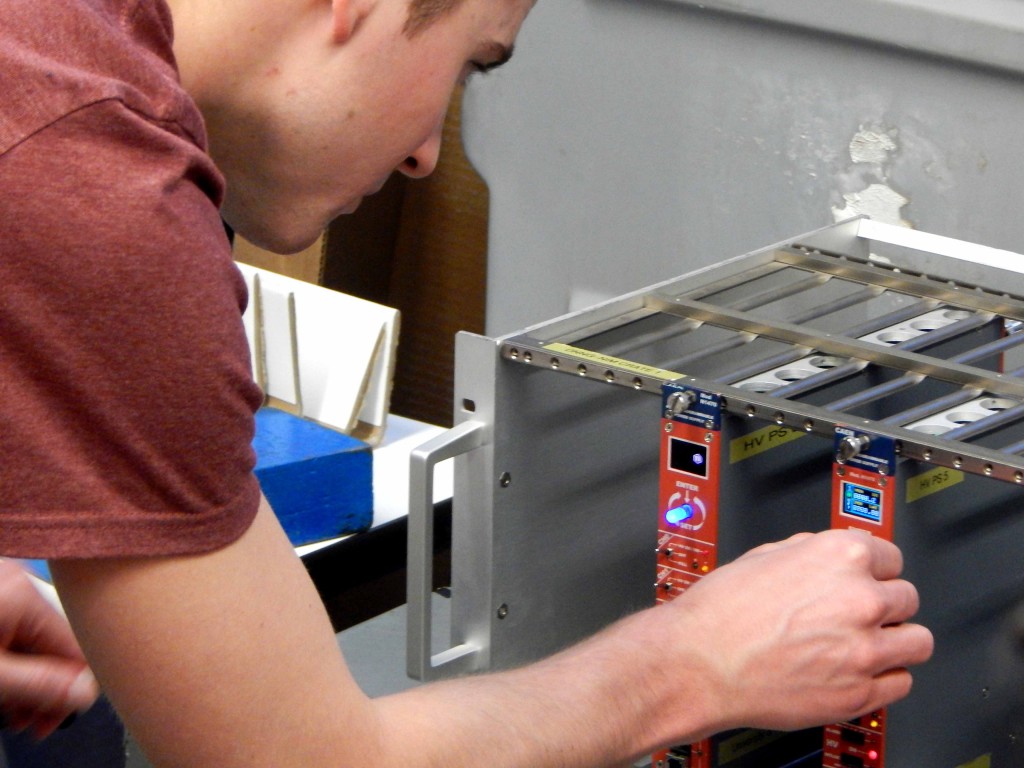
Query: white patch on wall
(871,152)
(872,147)
(879,201)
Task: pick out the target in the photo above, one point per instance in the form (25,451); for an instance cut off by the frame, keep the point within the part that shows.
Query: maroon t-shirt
(126,398)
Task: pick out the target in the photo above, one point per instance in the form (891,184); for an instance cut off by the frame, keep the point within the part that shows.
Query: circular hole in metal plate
(931,429)
(956,314)
(825,361)
(964,417)
(793,374)
(895,337)
(759,386)
(926,325)
(996,403)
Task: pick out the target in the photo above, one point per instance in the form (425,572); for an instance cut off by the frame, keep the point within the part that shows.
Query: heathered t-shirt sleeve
(126,400)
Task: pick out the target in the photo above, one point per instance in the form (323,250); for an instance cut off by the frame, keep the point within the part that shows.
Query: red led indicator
(872,755)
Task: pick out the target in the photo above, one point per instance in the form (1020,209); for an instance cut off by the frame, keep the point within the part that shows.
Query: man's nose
(422,162)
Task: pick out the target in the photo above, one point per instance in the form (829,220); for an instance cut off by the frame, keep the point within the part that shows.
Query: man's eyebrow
(492,56)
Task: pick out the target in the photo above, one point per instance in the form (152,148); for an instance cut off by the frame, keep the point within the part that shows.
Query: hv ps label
(932,481)
(761,440)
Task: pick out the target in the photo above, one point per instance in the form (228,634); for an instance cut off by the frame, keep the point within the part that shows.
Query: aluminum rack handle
(421,664)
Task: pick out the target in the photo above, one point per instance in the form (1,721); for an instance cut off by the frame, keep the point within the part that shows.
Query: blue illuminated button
(679,515)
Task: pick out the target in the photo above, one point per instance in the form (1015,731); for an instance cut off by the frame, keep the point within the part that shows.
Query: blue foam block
(319,482)
(38,568)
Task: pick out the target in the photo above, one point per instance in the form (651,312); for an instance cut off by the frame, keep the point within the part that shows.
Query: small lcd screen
(688,457)
(861,502)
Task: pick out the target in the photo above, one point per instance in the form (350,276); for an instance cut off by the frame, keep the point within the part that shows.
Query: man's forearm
(761,645)
(595,704)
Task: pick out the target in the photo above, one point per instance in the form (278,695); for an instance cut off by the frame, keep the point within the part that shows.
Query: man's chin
(285,238)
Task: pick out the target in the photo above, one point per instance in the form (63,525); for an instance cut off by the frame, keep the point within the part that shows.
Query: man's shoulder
(58,56)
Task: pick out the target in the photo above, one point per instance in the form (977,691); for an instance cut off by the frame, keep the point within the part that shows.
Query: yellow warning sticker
(761,440)
(932,481)
(613,362)
(985,761)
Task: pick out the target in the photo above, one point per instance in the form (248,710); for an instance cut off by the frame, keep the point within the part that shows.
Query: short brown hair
(422,13)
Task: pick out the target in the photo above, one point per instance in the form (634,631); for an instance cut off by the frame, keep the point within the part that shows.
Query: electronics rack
(860,348)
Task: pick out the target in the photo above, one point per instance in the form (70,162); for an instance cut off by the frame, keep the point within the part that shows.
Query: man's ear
(348,15)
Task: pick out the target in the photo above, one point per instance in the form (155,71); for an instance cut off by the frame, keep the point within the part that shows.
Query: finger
(904,645)
(900,601)
(30,622)
(45,683)
(890,686)
(15,721)
(882,558)
(44,725)
(41,724)
(886,558)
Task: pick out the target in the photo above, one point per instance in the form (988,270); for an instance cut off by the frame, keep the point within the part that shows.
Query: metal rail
(733,300)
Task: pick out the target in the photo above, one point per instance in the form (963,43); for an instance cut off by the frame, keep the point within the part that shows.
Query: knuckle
(858,552)
(875,608)
(864,658)
(866,607)
(861,700)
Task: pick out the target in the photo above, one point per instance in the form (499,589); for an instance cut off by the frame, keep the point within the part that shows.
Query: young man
(128,408)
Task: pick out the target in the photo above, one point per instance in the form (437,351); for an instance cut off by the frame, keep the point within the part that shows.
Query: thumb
(45,683)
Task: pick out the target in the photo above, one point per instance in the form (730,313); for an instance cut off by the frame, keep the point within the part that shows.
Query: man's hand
(43,674)
(804,632)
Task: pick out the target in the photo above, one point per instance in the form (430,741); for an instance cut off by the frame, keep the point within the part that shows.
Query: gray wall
(634,140)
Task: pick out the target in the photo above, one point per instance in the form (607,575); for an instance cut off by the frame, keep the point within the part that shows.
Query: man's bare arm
(228,659)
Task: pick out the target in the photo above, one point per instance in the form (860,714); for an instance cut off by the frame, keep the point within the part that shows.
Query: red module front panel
(863,498)
(688,527)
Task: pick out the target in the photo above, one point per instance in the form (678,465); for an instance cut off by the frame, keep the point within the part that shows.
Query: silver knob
(851,447)
(678,402)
